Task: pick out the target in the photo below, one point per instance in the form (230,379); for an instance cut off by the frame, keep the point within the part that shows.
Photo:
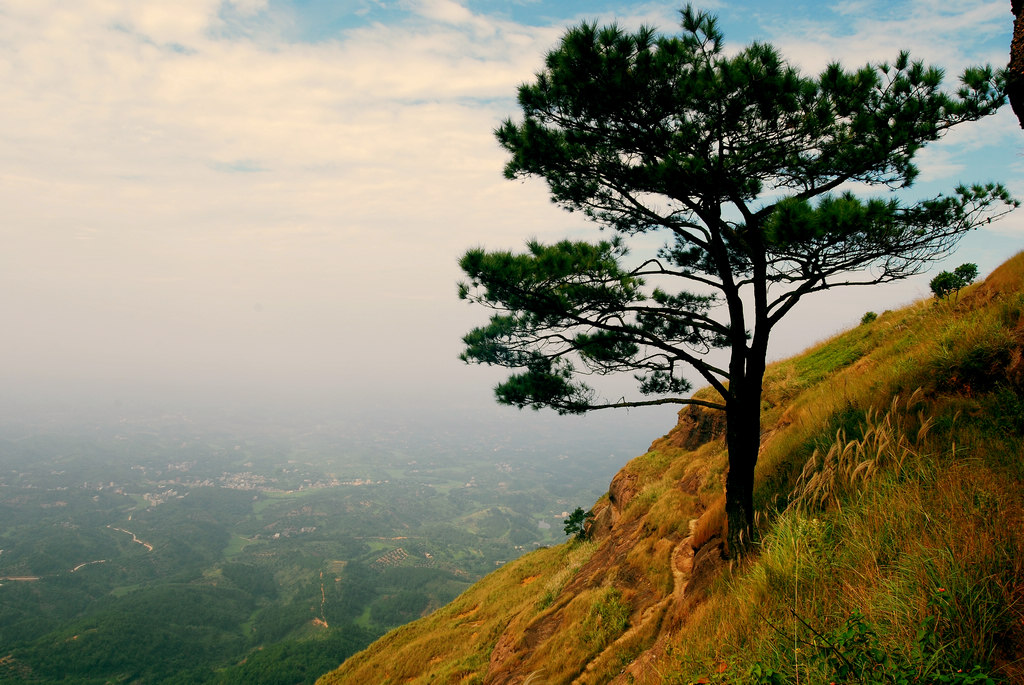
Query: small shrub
(852,652)
(547,599)
(868,317)
(974,357)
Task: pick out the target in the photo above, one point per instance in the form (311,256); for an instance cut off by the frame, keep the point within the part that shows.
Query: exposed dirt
(697,425)
(514,659)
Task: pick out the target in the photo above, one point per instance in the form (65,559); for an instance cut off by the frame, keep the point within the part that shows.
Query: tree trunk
(743,440)
(1015,70)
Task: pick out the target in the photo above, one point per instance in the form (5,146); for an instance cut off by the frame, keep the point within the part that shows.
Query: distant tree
(738,160)
(576,524)
(947,283)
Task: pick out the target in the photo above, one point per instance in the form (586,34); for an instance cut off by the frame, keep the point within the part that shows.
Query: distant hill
(892,533)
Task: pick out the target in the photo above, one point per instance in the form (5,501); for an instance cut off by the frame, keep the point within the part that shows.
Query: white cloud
(447,11)
(947,34)
(160,180)
(162,176)
(249,7)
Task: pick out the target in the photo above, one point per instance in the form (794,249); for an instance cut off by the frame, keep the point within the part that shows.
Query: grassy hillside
(892,533)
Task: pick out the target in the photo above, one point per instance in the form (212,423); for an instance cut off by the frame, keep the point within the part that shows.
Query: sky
(250,203)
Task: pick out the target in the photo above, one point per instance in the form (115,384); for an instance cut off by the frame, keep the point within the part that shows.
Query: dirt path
(323,601)
(682,565)
(148,546)
(87,563)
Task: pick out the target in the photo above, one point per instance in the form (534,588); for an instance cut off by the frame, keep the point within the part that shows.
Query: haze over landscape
(258,205)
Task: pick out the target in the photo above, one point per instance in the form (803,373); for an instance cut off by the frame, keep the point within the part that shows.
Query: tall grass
(887,440)
(907,513)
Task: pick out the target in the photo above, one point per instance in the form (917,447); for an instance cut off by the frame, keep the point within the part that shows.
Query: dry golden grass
(922,496)
(888,440)
(453,643)
(710,524)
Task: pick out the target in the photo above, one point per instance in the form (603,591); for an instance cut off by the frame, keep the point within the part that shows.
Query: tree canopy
(948,282)
(767,184)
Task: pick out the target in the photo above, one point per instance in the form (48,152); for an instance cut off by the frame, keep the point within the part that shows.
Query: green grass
(237,544)
(607,619)
(363,620)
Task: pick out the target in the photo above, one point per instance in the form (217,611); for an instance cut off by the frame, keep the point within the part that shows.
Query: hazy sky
(206,200)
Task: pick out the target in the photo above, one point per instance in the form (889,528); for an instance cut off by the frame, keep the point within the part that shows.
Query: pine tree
(738,161)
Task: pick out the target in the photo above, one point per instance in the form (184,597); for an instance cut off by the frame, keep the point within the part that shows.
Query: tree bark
(743,440)
(1015,70)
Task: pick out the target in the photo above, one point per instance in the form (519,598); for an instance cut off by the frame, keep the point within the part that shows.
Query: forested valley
(157,551)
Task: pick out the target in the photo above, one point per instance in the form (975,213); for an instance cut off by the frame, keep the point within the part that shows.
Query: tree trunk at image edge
(1015,69)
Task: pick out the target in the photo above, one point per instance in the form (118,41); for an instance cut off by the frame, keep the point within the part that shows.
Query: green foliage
(296,662)
(868,317)
(544,288)
(153,635)
(402,607)
(973,356)
(1003,414)
(351,595)
(256,580)
(576,524)
(547,598)
(608,128)
(947,283)
(852,653)
(277,621)
(607,619)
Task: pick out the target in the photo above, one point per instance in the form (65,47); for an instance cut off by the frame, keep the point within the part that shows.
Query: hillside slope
(892,544)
